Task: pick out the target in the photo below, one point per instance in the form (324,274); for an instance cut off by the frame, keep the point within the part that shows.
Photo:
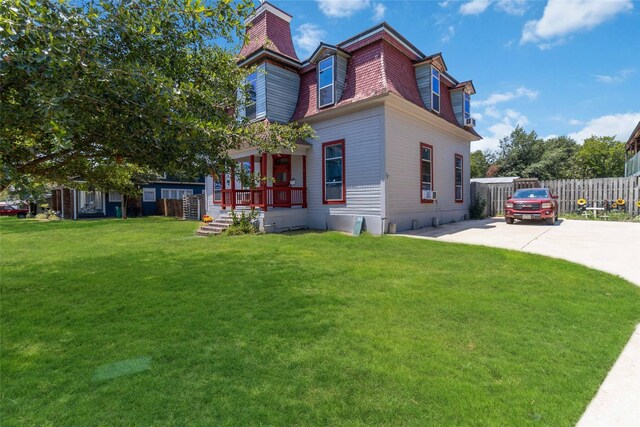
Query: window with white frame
(333,172)
(326,82)
(467,106)
(435,90)
(114,196)
(174,193)
(250,108)
(148,194)
(426,173)
(458,184)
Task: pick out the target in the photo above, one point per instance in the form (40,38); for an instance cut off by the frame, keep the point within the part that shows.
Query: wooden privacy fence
(189,207)
(169,207)
(568,191)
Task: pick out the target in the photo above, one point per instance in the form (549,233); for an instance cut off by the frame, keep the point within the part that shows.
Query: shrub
(242,224)
(476,210)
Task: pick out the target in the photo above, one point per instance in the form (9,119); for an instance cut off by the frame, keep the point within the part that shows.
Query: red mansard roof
(269,31)
(382,61)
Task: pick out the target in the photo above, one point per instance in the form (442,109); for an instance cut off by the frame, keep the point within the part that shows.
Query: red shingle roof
(272,32)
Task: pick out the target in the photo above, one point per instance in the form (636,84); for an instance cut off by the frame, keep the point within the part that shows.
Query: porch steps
(217,226)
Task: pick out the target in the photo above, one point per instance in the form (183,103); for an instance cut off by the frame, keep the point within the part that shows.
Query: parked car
(6,209)
(532,203)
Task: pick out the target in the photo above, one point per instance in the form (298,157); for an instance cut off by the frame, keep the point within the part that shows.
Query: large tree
(148,83)
(600,157)
(518,152)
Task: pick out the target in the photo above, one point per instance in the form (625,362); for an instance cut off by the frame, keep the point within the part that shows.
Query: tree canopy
(151,84)
(526,155)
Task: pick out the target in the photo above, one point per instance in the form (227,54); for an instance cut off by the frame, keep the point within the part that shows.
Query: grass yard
(138,322)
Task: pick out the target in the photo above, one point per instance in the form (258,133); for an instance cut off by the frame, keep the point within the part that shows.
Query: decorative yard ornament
(582,202)
(620,201)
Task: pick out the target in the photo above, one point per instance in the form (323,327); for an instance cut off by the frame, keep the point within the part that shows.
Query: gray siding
(423,75)
(282,88)
(341,74)
(457,97)
(261,92)
(363,133)
(404,134)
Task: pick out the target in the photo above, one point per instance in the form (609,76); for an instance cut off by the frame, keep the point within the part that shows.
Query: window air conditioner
(470,122)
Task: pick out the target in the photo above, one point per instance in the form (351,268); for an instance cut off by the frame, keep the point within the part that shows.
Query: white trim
(333,82)
(267,7)
(279,56)
(150,190)
(367,35)
(439,94)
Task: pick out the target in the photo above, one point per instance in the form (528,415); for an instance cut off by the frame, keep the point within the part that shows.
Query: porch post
(223,179)
(304,181)
(252,160)
(263,173)
(233,186)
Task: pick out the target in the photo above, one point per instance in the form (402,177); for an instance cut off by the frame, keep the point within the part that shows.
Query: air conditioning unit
(470,122)
(429,195)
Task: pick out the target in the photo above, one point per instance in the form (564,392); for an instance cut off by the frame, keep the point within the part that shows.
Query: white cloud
(564,17)
(308,37)
(497,131)
(342,8)
(378,12)
(618,125)
(512,7)
(446,37)
(474,7)
(501,97)
(574,122)
(619,77)
(445,3)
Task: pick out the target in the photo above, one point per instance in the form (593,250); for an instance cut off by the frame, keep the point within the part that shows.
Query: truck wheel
(550,221)
(508,220)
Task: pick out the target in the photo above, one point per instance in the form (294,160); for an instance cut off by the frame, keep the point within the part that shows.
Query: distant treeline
(528,156)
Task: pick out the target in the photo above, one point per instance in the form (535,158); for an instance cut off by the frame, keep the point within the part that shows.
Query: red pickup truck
(532,203)
(13,210)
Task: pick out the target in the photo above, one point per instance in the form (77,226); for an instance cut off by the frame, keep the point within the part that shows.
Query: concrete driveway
(613,247)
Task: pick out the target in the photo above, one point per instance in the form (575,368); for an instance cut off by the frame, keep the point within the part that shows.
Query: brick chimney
(268,28)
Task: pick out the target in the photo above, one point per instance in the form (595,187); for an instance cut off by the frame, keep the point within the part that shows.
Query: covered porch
(263,181)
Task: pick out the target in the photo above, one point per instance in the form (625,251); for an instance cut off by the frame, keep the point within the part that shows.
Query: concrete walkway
(613,247)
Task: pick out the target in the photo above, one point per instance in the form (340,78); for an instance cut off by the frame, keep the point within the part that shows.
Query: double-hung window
(467,107)
(458,182)
(333,171)
(435,90)
(114,196)
(426,173)
(148,194)
(326,82)
(250,108)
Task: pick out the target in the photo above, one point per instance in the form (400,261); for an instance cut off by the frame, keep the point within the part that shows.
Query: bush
(242,224)
(49,215)
(476,210)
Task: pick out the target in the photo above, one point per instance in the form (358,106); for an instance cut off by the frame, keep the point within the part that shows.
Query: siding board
(282,88)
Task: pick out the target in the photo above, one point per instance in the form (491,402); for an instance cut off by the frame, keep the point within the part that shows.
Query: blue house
(74,203)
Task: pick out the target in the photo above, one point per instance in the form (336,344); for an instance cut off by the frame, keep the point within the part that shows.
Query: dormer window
(435,90)
(250,108)
(326,82)
(467,107)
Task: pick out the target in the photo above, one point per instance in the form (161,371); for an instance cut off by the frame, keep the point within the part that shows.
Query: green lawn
(138,322)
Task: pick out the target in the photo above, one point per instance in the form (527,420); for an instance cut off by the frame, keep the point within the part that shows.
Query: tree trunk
(123,206)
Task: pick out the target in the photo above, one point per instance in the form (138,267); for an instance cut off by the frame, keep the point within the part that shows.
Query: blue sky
(559,67)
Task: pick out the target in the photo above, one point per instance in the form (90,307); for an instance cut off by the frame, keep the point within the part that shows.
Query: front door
(281,179)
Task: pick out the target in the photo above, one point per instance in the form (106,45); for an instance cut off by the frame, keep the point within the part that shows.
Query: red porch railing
(263,198)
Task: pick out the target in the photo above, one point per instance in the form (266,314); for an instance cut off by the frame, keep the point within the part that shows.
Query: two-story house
(393,133)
